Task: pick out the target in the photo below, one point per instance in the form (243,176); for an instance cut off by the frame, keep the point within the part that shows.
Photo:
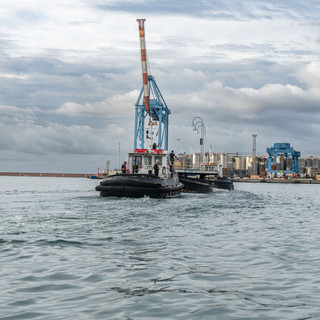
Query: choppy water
(65,253)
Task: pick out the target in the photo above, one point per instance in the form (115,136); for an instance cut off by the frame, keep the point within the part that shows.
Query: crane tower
(151,110)
(254,144)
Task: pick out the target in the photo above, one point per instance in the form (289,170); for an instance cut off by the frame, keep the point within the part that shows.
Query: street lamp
(197,123)
(193,120)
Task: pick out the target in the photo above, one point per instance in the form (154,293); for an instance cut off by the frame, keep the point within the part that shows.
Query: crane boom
(144,64)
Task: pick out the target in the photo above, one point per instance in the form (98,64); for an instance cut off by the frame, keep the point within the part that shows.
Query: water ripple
(248,254)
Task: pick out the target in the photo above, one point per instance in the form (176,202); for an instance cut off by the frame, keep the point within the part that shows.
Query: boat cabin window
(148,161)
(136,163)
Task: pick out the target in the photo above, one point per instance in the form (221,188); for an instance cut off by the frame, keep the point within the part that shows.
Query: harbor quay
(236,166)
(276,180)
(249,168)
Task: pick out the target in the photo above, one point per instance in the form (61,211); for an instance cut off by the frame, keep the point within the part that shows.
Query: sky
(70,75)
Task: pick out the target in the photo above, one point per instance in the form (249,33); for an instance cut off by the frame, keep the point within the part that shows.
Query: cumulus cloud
(114,106)
(310,74)
(215,96)
(55,138)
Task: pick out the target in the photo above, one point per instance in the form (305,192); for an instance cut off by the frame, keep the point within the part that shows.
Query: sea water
(66,253)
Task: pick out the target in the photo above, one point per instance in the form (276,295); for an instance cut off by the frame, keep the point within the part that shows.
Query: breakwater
(46,174)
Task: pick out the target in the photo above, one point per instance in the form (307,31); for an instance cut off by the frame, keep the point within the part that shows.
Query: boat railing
(190,168)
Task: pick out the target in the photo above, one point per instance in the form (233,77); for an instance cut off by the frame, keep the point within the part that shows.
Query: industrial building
(280,160)
(241,165)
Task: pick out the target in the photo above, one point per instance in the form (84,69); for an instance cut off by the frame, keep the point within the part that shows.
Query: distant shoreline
(88,175)
(276,180)
(46,174)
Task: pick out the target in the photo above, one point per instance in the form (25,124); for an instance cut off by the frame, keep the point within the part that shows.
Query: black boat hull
(203,185)
(134,192)
(195,185)
(223,183)
(138,186)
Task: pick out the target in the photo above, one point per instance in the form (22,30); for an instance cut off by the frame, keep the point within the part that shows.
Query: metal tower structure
(150,106)
(254,145)
(283,150)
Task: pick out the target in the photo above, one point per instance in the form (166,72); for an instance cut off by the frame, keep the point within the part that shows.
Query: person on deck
(156,167)
(124,167)
(172,158)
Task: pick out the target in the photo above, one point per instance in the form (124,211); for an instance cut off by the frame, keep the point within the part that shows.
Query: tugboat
(151,128)
(204,178)
(198,182)
(140,181)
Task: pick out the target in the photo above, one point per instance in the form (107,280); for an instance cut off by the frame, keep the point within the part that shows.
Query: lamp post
(178,140)
(197,123)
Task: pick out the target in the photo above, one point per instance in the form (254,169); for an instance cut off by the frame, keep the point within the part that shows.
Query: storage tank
(243,162)
(309,162)
(240,163)
(237,163)
(249,168)
(231,162)
(196,160)
(289,164)
(252,165)
(248,161)
(302,163)
(280,163)
(255,168)
(224,160)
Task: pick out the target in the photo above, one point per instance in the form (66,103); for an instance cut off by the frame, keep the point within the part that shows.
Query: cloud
(114,106)
(70,75)
(310,74)
(215,96)
(215,9)
(276,112)
(13,110)
(35,139)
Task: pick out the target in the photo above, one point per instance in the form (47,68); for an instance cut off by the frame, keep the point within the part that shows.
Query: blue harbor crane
(283,150)
(150,106)
(158,118)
